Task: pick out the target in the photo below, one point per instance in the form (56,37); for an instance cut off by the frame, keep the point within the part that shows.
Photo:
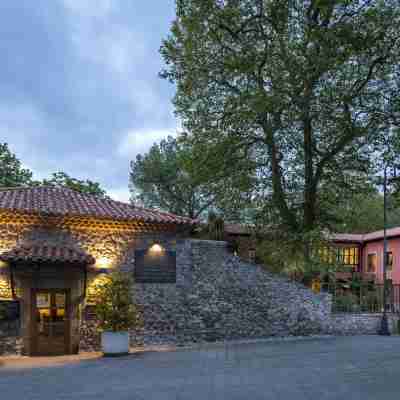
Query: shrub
(115,309)
(346,303)
(371,302)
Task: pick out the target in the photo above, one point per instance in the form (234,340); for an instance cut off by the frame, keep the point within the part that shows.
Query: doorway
(50,322)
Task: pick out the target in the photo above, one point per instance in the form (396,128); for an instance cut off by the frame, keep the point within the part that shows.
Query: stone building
(54,244)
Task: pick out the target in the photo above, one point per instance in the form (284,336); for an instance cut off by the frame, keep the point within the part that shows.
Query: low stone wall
(10,340)
(360,324)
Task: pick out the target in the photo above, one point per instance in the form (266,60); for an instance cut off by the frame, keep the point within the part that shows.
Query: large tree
(12,173)
(62,179)
(167,178)
(301,88)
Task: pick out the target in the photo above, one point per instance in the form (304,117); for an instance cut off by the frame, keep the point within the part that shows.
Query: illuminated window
(372,263)
(347,255)
(340,255)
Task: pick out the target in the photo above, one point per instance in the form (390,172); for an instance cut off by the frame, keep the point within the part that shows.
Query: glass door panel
(51,322)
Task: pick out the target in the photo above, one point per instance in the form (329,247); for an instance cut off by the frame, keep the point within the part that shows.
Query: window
(389,261)
(347,255)
(372,263)
(340,255)
(155,266)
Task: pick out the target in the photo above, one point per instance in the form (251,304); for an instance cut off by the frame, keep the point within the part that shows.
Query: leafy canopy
(300,90)
(169,178)
(12,174)
(61,179)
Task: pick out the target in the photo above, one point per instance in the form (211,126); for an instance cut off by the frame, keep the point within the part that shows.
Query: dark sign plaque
(155,267)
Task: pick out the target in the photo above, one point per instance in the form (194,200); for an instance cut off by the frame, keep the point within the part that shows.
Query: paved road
(336,368)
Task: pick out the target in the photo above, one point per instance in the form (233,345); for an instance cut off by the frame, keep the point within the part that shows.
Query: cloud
(120,194)
(80,88)
(139,141)
(23,126)
(90,8)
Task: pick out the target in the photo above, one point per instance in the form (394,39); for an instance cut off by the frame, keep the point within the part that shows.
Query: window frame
(389,266)
(375,254)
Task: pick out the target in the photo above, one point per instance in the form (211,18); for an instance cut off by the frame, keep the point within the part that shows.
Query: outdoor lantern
(156,248)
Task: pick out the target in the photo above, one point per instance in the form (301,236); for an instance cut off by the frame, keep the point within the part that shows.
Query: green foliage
(363,213)
(294,94)
(347,302)
(371,302)
(284,253)
(61,179)
(114,303)
(215,227)
(170,177)
(12,174)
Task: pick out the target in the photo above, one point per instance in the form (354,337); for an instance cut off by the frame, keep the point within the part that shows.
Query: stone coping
(363,315)
(215,243)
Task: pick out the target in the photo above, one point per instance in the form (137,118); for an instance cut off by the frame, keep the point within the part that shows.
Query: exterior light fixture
(102,264)
(156,248)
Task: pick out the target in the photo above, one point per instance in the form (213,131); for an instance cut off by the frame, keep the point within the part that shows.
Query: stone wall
(219,297)
(356,324)
(10,338)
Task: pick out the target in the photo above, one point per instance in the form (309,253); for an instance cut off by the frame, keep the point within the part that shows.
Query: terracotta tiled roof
(346,237)
(47,253)
(57,201)
(361,238)
(379,234)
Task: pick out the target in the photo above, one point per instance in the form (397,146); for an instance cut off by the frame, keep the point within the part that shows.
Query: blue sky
(79,85)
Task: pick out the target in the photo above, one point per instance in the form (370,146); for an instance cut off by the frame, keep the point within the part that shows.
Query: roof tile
(59,201)
(47,253)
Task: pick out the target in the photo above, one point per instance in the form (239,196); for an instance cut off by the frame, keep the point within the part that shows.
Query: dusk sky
(79,82)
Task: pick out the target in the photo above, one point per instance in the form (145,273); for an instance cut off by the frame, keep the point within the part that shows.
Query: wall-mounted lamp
(156,248)
(103,264)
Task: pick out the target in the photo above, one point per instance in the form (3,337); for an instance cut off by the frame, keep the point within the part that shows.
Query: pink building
(364,254)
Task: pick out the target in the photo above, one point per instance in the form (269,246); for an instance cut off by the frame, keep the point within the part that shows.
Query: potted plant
(115,312)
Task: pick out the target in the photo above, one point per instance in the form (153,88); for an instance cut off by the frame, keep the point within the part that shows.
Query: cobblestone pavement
(330,368)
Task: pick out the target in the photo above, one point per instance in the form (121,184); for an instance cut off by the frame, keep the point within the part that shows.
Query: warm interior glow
(156,248)
(3,264)
(103,262)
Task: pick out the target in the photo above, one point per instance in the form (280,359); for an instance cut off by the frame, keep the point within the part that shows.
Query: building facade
(55,244)
(363,254)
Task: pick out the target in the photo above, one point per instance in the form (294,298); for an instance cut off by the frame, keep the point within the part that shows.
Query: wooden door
(50,321)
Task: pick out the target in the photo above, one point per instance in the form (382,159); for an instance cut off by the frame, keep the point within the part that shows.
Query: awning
(47,253)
